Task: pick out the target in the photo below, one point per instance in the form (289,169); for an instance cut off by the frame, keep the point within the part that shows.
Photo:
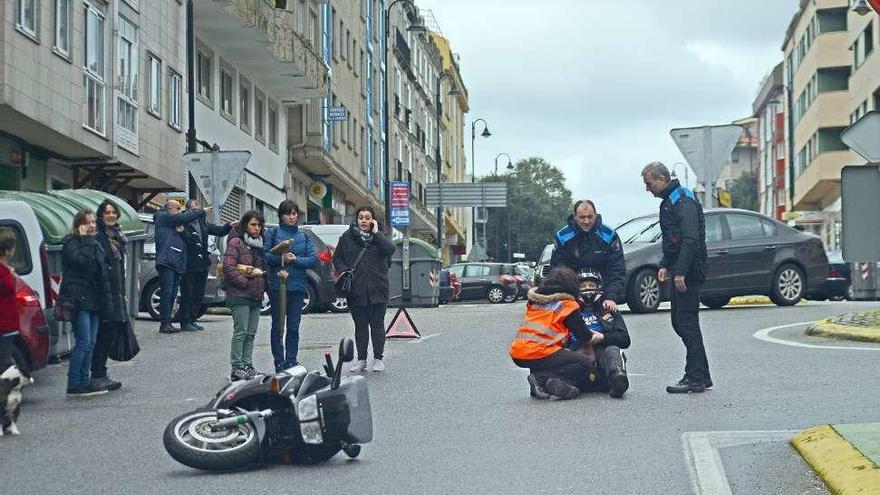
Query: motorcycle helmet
(588,274)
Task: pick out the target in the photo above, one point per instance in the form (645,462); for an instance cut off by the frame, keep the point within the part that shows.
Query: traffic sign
(216,172)
(875,4)
(862,136)
(706,149)
(860,212)
(399,194)
(336,114)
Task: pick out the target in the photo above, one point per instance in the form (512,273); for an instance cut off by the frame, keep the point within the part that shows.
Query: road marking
(703,459)
(426,337)
(764,334)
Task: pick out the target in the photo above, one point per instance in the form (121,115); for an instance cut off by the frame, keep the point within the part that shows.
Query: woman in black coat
(369,289)
(115,316)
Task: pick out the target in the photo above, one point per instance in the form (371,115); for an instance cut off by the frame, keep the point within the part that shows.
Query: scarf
(366,237)
(115,238)
(254,242)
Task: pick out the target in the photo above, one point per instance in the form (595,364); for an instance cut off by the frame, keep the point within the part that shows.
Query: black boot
(615,369)
(561,389)
(687,385)
(168,328)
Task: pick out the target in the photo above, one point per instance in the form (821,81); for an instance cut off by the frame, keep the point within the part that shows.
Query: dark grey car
(749,254)
(485,281)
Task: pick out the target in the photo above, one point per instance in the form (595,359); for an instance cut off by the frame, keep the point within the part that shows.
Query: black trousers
(608,360)
(686,323)
(566,364)
(192,292)
(369,321)
(102,348)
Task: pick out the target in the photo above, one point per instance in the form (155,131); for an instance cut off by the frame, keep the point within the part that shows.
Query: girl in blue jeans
(85,283)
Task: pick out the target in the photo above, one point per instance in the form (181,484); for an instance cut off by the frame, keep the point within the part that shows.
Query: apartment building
(91,95)
(257,62)
(769,109)
(818,68)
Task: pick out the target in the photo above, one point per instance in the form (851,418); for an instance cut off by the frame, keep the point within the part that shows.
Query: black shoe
(707,383)
(239,374)
(85,391)
(252,372)
(686,386)
(168,328)
(535,389)
(561,389)
(105,383)
(619,384)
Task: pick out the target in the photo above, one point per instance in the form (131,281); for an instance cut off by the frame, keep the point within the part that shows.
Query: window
(203,75)
(259,116)
(273,126)
(863,46)
(744,227)
(227,97)
(21,259)
(333,41)
(476,271)
(458,270)
(28,18)
(155,92)
(244,104)
(175,91)
(93,69)
(62,27)
(714,230)
(126,94)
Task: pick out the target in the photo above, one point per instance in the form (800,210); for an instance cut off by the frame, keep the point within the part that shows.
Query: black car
(838,284)
(749,254)
(329,235)
(321,288)
(485,281)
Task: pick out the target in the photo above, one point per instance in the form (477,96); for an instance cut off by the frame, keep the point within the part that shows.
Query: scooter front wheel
(191,441)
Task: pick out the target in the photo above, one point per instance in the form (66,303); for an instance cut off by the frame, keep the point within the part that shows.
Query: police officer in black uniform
(684,261)
(586,243)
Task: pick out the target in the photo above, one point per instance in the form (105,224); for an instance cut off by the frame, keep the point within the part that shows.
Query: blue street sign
(336,114)
(399,203)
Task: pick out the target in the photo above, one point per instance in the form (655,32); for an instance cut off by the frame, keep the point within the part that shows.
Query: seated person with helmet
(552,317)
(608,335)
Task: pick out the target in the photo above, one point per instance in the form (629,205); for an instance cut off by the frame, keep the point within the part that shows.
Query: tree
(537,205)
(744,192)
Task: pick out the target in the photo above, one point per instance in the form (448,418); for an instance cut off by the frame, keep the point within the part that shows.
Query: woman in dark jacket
(244,270)
(84,282)
(115,316)
(369,289)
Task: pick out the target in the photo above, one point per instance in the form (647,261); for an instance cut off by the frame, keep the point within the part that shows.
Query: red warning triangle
(402,327)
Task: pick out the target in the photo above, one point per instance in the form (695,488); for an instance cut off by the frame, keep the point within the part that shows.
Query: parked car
(484,281)
(749,254)
(148,281)
(30,342)
(543,266)
(329,235)
(838,284)
(522,283)
(321,288)
(450,287)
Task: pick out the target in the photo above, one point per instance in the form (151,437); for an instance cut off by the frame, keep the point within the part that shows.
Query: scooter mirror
(346,350)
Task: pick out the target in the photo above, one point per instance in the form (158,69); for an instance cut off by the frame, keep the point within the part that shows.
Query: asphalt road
(452,413)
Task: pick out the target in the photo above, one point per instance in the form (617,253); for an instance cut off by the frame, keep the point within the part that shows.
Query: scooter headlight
(311,432)
(307,409)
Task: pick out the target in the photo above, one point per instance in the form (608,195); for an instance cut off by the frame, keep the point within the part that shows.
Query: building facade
(769,109)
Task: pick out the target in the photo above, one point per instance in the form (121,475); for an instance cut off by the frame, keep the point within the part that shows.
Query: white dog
(11,382)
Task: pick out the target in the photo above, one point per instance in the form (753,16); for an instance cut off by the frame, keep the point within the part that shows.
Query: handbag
(344,282)
(64,308)
(123,345)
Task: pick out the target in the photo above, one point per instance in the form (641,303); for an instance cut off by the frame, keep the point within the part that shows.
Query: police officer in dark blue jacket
(585,242)
(171,255)
(684,261)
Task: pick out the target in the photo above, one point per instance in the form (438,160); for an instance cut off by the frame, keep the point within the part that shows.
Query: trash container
(865,281)
(55,211)
(424,275)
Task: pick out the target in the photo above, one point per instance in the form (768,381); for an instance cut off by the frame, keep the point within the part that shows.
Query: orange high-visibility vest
(542,331)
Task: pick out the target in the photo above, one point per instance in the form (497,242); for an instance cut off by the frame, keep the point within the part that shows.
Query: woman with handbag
(363,255)
(115,316)
(84,294)
(244,270)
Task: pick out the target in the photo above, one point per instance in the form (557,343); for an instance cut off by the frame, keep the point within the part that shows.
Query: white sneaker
(358,367)
(378,365)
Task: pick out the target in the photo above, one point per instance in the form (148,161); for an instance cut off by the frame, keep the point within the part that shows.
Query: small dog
(12,380)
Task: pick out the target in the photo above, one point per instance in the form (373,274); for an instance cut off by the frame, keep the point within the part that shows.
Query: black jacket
(170,247)
(599,249)
(197,258)
(114,261)
(84,276)
(684,233)
(370,279)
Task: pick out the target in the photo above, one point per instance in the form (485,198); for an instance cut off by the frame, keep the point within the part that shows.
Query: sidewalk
(863,327)
(846,457)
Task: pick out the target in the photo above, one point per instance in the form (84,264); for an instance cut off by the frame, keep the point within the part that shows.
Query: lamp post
(506,210)
(484,134)
(509,163)
(416,28)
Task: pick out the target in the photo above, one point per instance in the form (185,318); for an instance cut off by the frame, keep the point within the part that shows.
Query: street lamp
(438,106)
(685,167)
(509,164)
(861,7)
(417,27)
(485,134)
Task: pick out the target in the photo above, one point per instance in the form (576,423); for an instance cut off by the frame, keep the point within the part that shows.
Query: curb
(744,300)
(843,468)
(824,328)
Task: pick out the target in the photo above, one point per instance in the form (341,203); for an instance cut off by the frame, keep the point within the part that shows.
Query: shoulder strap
(358,259)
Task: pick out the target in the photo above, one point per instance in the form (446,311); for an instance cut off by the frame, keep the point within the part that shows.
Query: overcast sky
(594,86)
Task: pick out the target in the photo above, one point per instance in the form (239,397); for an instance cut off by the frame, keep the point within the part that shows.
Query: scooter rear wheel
(190,441)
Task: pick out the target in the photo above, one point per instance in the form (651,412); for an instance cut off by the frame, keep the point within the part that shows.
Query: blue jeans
(85,331)
(286,354)
(170,281)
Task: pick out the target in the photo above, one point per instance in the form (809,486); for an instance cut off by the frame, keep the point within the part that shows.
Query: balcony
(828,110)
(820,182)
(263,42)
(402,49)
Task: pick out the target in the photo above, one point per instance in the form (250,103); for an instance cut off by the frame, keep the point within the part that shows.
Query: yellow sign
(317,189)
(724,198)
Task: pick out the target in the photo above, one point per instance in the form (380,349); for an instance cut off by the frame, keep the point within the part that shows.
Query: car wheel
(849,293)
(309,300)
(338,305)
(153,294)
(265,305)
(643,294)
(789,285)
(509,298)
(495,294)
(715,302)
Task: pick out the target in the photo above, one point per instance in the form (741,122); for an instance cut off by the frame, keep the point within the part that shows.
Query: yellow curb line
(742,300)
(824,328)
(843,468)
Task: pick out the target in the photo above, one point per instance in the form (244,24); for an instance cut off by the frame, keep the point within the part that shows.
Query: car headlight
(307,409)
(311,432)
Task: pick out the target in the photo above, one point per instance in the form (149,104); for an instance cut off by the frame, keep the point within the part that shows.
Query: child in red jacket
(8,303)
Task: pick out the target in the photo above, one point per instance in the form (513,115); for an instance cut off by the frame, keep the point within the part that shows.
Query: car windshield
(330,234)
(835,256)
(643,229)
(546,254)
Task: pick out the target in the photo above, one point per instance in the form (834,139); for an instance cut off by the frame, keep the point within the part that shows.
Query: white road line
(425,337)
(701,453)
(764,334)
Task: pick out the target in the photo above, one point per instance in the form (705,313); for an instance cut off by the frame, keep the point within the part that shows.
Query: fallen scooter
(296,416)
